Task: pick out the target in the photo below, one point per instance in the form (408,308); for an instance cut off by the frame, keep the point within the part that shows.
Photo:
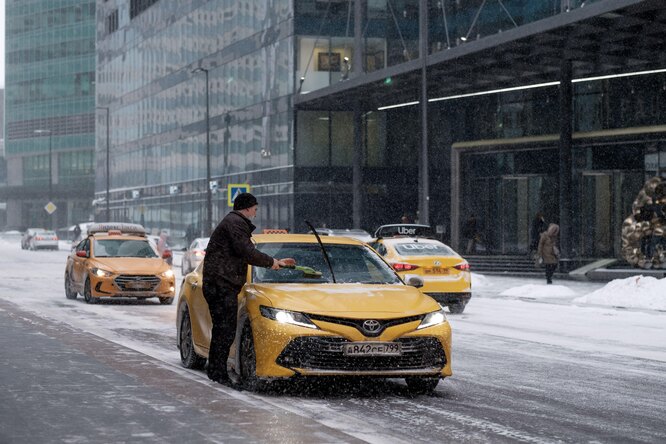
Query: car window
(351,263)
(423,249)
(122,248)
(379,247)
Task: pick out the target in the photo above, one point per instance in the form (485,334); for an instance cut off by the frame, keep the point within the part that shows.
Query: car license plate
(372,349)
(138,285)
(436,270)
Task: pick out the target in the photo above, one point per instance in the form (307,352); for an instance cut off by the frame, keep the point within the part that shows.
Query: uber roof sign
(412,230)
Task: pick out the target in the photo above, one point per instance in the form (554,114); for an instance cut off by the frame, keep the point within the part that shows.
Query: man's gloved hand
(286,262)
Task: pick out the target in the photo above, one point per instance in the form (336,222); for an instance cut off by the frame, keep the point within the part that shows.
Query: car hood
(350,300)
(131,265)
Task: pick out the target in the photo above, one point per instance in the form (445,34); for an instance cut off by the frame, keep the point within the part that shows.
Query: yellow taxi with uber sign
(116,260)
(341,310)
(410,250)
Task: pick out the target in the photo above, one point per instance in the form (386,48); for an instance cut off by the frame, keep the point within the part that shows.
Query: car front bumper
(147,287)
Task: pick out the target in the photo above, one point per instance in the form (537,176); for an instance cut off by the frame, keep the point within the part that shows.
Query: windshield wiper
(323,250)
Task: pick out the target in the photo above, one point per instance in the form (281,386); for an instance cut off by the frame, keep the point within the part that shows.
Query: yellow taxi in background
(116,260)
(409,250)
(340,311)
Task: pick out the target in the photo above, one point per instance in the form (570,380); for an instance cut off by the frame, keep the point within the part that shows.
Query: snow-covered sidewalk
(639,292)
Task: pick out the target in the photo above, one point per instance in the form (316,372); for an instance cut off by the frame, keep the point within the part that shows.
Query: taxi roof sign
(122,227)
(406,230)
(234,189)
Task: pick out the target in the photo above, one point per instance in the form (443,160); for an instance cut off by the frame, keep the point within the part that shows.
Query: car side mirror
(414,280)
(81,253)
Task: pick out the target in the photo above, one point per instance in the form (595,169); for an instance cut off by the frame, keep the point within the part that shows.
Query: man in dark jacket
(228,254)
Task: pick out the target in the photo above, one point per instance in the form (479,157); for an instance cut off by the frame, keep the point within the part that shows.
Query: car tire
(248,362)
(457,308)
(421,385)
(188,356)
(87,293)
(166,301)
(69,293)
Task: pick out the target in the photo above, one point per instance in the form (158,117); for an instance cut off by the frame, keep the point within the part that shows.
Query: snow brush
(307,271)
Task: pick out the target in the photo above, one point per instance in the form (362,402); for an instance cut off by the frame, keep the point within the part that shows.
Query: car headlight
(167,274)
(286,317)
(434,318)
(101,273)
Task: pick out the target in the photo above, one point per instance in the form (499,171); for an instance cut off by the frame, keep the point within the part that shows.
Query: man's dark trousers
(223,305)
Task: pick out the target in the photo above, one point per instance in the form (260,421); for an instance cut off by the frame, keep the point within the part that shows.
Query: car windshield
(351,263)
(423,249)
(202,244)
(122,248)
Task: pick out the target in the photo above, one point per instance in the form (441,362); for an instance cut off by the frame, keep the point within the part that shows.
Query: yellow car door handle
(194,284)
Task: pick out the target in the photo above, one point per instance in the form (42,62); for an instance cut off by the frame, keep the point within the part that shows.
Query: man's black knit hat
(244,201)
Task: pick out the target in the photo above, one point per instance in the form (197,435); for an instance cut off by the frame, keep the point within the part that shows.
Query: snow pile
(635,292)
(539,291)
(479,280)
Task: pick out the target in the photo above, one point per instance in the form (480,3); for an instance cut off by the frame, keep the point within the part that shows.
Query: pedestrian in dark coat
(548,250)
(228,254)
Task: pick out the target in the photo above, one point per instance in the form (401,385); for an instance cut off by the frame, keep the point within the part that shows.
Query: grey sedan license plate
(372,349)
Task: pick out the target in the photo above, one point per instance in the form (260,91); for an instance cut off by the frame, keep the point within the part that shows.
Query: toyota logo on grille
(437,263)
(371,326)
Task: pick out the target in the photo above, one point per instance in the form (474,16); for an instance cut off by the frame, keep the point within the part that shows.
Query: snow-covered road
(533,366)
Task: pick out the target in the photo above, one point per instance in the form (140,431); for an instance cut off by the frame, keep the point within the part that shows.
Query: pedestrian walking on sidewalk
(548,251)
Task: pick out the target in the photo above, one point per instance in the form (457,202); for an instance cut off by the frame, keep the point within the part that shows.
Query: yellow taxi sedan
(116,260)
(445,273)
(341,310)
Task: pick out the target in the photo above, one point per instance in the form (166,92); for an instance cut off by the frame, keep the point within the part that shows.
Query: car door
(79,265)
(200,315)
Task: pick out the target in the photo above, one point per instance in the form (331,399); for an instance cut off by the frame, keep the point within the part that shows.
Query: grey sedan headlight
(286,316)
(434,318)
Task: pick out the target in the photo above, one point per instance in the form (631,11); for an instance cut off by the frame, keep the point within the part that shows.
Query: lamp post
(209,193)
(45,131)
(108,163)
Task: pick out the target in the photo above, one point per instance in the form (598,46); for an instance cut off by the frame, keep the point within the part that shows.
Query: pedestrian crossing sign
(234,190)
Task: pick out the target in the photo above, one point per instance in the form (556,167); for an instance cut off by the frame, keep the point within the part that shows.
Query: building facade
(552,107)
(49,112)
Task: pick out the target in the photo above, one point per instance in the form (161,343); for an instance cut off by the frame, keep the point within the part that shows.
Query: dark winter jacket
(230,250)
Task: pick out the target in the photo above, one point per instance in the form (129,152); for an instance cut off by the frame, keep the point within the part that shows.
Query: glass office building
(314,104)
(49,104)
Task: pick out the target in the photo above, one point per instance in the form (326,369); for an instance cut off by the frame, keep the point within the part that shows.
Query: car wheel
(188,356)
(248,361)
(457,308)
(421,385)
(166,301)
(87,293)
(69,292)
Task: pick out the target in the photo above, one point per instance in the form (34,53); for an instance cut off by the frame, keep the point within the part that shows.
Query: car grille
(325,353)
(128,282)
(379,324)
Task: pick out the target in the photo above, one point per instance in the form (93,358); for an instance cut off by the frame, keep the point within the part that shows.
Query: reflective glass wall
(390,31)
(49,103)
(148,79)
(510,164)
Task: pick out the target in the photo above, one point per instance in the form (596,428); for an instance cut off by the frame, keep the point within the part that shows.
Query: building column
(424,181)
(357,161)
(566,118)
